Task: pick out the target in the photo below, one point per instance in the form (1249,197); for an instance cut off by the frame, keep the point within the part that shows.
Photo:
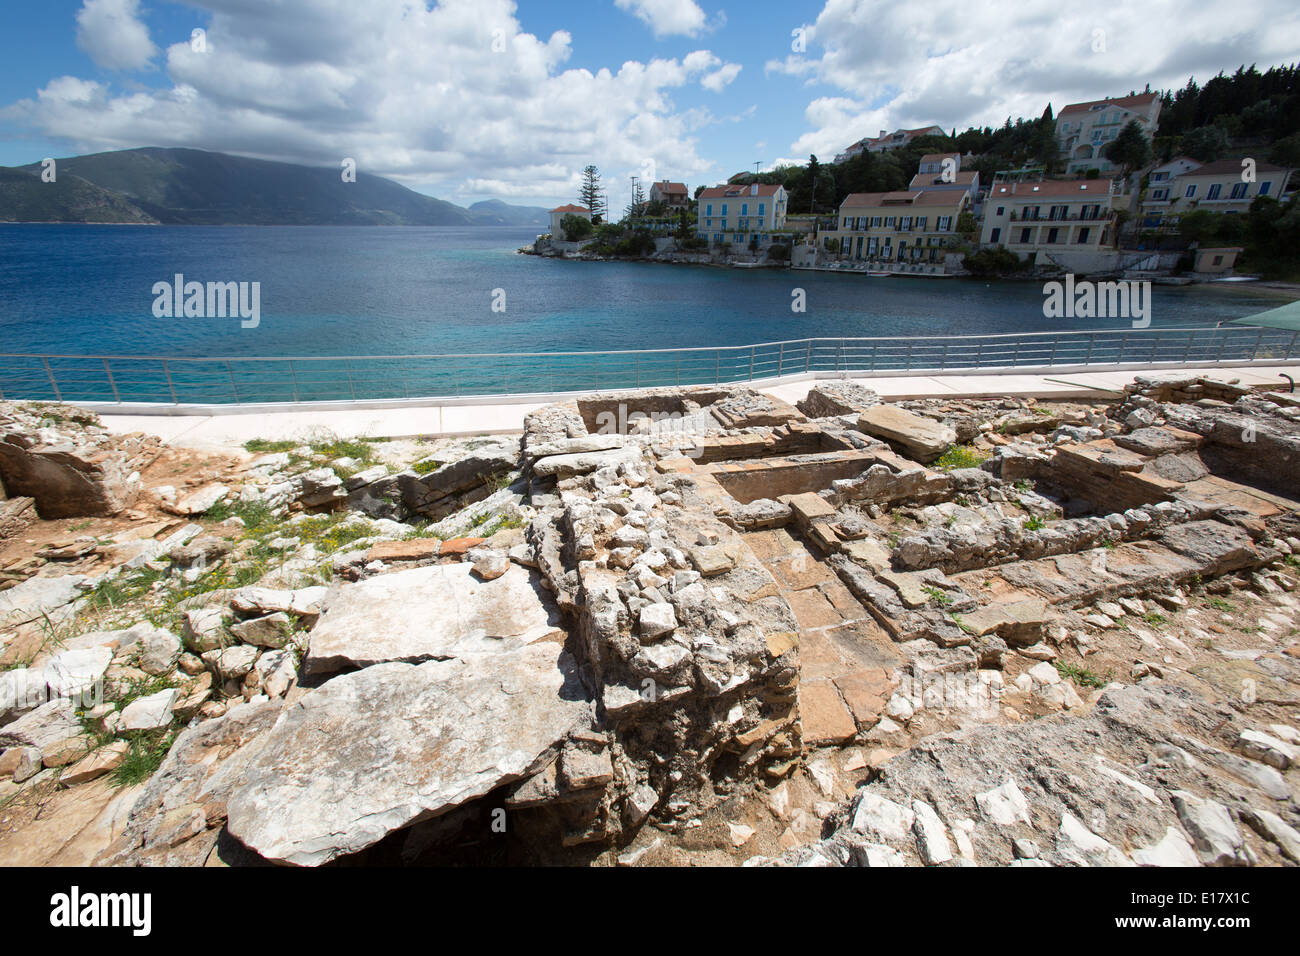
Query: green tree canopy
(1130,150)
(575,227)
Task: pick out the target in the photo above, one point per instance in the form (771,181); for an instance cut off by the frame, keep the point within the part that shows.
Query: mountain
(494,212)
(195,187)
(24,198)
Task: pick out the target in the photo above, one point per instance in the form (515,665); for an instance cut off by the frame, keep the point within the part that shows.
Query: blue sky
(473,99)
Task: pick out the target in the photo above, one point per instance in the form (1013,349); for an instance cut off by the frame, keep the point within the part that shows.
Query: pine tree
(590,193)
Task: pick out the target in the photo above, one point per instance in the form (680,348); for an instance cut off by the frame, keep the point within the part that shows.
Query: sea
(74,291)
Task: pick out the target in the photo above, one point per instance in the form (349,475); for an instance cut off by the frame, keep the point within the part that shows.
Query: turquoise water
(88,290)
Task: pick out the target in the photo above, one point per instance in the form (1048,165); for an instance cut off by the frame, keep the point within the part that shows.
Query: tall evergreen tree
(590,192)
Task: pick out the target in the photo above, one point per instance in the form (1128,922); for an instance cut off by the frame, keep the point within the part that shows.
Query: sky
(476,99)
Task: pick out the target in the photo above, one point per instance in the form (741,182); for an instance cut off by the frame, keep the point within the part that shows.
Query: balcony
(1068,217)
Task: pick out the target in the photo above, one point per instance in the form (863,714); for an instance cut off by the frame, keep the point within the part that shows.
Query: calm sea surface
(376,290)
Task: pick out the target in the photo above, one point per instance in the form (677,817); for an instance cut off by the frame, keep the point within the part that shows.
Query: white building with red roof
(558,214)
(887,140)
(1083,130)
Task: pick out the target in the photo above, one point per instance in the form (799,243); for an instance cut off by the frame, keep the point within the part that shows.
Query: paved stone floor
(845,658)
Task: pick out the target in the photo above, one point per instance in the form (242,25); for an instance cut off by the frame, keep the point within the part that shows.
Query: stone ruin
(65,463)
(715,592)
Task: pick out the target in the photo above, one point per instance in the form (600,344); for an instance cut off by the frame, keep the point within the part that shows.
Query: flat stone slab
(431,613)
(824,716)
(920,438)
(579,463)
(28,600)
(377,750)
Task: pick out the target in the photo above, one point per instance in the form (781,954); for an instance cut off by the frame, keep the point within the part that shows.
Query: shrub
(959,456)
(995,262)
(576,228)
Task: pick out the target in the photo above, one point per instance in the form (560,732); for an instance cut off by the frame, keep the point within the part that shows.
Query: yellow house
(740,214)
(908,226)
(1227,185)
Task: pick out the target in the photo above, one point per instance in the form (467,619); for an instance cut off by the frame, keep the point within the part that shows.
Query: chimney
(753,189)
(884,133)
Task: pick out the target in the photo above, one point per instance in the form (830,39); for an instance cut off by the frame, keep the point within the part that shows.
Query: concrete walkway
(227,430)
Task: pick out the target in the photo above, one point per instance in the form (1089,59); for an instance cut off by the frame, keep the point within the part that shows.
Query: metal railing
(312,378)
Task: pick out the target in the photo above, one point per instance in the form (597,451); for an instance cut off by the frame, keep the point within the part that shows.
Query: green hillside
(194,187)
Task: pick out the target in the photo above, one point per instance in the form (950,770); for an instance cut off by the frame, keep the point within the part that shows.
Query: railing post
(638,369)
(1056,341)
(875,347)
(677,373)
(170,385)
(1289,347)
(943,357)
(595,370)
(233,388)
(352,389)
(455,376)
(807,362)
(112,384)
(1187,352)
(780,361)
(751,362)
(401,370)
(1254,352)
(53,384)
(294,378)
(1015,356)
(505,377)
(717,366)
(1087,359)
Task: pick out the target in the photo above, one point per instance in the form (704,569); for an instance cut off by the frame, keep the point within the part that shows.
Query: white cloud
(716,73)
(718,80)
(111,33)
(666,17)
(413,93)
(968,62)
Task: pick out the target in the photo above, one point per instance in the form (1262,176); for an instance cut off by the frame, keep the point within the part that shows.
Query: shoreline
(1291,290)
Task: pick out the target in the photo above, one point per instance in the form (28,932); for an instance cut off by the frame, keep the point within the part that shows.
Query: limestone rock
(379,749)
(28,600)
(1214,832)
(919,438)
(198,502)
(78,674)
(435,612)
(159,650)
(580,463)
(104,760)
(273,630)
(149,713)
